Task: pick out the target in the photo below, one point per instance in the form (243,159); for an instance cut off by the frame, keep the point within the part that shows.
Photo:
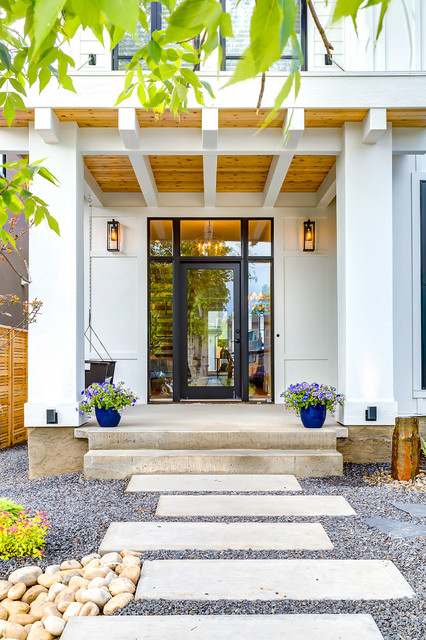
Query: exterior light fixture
(113,240)
(308,235)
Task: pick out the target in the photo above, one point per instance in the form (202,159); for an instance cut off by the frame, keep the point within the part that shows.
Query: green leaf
(167,71)
(17,101)
(52,222)
(45,15)
(123,13)
(47,175)
(44,77)
(17,86)
(29,208)
(207,86)
(9,110)
(226,25)
(190,18)
(154,51)
(288,22)
(5,56)
(87,11)
(265,34)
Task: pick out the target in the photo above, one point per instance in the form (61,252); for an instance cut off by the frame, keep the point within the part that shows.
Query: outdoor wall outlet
(327,60)
(51,416)
(92,59)
(371,414)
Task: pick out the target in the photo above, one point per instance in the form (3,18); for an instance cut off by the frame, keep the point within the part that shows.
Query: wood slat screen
(13,387)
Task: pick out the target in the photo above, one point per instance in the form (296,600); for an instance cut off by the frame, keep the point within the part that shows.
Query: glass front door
(211,331)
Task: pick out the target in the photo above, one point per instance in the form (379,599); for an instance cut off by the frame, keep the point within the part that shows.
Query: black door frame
(216,392)
(243,260)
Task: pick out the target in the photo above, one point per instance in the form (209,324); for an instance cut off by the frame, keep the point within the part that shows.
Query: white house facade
(246,260)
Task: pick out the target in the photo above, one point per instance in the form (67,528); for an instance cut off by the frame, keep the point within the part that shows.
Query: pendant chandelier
(209,243)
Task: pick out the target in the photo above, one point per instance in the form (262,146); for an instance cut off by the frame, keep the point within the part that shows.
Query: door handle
(237,341)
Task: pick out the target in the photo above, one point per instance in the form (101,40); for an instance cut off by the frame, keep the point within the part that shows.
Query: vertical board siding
(13,387)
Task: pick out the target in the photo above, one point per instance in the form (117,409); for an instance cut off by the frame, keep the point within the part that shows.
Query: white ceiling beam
(276,176)
(232,141)
(128,126)
(327,189)
(374,125)
(46,124)
(92,189)
(210,128)
(145,176)
(293,128)
(210,176)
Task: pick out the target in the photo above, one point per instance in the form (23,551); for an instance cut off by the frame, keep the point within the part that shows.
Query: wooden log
(405,449)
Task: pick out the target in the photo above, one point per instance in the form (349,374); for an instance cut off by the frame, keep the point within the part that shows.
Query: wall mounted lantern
(113,242)
(308,235)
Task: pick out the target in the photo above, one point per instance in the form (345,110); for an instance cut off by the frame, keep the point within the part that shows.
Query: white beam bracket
(293,128)
(276,176)
(128,126)
(374,126)
(210,128)
(145,176)
(46,124)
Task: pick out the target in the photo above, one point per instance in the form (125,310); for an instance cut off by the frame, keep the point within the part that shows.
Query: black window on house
(233,48)
(423,275)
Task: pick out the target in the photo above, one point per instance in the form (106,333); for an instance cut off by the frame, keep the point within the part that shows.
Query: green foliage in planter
(423,445)
(106,395)
(302,395)
(11,507)
(23,536)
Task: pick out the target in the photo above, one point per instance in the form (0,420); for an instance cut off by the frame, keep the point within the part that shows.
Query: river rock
(131,561)
(3,614)
(67,579)
(54,625)
(112,557)
(92,556)
(2,627)
(121,585)
(23,619)
(73,609)
(51,610)
(131,573)
(99,596)
(93,564)
(33,593)
(110,577)
(128,552)
(116,603)
(27,575)
(90,609)
(15,631)
(40,634)
(95,572)
(37,608)
(55,590)
(64,598)
(78,581)
(5,586)
(17,591)
(14,606)
(52,568)
(70,564)
(79,594)
(46,580)
(97,583)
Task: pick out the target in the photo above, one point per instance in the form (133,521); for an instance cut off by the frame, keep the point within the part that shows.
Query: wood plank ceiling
(178,173)
(113,173)
(242,173)
(306,173)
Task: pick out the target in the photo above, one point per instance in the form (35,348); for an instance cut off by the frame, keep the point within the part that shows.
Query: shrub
(11,507)
(22,536)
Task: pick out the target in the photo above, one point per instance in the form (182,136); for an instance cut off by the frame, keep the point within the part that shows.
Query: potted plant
(311,402)
(108,400)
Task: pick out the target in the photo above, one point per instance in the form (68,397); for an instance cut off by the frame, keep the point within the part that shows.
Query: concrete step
(122,463)
(268,506)
(206,437)
(279,627)
(153,536)
(218,484)
(271,580)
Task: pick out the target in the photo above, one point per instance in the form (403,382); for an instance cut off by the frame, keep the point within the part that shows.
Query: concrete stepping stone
(279,627)
(416,510)
(271,580)
(148,536)
(226,482)
(397,529)
(264,505)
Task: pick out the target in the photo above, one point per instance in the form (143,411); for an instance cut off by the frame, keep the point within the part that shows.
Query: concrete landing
(240,483)
(271,580)
(267,505)
(279,627)
(148,536)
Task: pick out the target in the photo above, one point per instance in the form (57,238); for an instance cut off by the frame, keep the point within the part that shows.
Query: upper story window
(233,48)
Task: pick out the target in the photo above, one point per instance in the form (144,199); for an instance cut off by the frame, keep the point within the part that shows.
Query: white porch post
(56,349)
(364,273)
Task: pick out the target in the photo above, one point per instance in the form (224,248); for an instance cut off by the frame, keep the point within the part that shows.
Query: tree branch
(4,256)
(327,44)
(262,90)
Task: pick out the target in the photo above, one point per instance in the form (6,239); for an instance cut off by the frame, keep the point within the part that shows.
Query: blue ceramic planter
(313,417)
(107,417)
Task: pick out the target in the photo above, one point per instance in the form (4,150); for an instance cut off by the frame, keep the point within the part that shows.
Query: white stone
(72,609)
(121,585)
(271,580)
(97,583)
(27,575)
(3,624)
(55,590)
(149,536)
(89,558)
(111,558)
(52,568)
(266,505)
(109,578)
(220,483)
(278,627)
(99,596)
(54,625)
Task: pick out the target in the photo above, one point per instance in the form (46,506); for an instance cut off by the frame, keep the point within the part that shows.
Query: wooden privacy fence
(13,386)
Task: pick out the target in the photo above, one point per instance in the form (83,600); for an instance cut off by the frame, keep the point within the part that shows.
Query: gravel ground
(80,511)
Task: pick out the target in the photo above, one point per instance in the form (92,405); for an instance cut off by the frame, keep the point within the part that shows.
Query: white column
(56,342)
(364,277)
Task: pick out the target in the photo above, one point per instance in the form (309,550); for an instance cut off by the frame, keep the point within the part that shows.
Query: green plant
(302,395)
(11,507)
(105,395)
(423,446)
(23,536)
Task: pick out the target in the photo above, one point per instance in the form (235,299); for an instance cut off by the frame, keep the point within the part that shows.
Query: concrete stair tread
(227,627)
(217,483)
(148,536)
(253,505)
(212,452)
(271,580)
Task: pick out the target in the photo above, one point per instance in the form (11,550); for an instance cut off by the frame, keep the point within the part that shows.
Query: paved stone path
(251,579)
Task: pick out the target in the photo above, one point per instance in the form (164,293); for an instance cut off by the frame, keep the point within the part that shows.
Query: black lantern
(308,235)
(113,235)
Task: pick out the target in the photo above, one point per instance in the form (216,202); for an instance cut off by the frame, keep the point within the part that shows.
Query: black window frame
(303,39)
